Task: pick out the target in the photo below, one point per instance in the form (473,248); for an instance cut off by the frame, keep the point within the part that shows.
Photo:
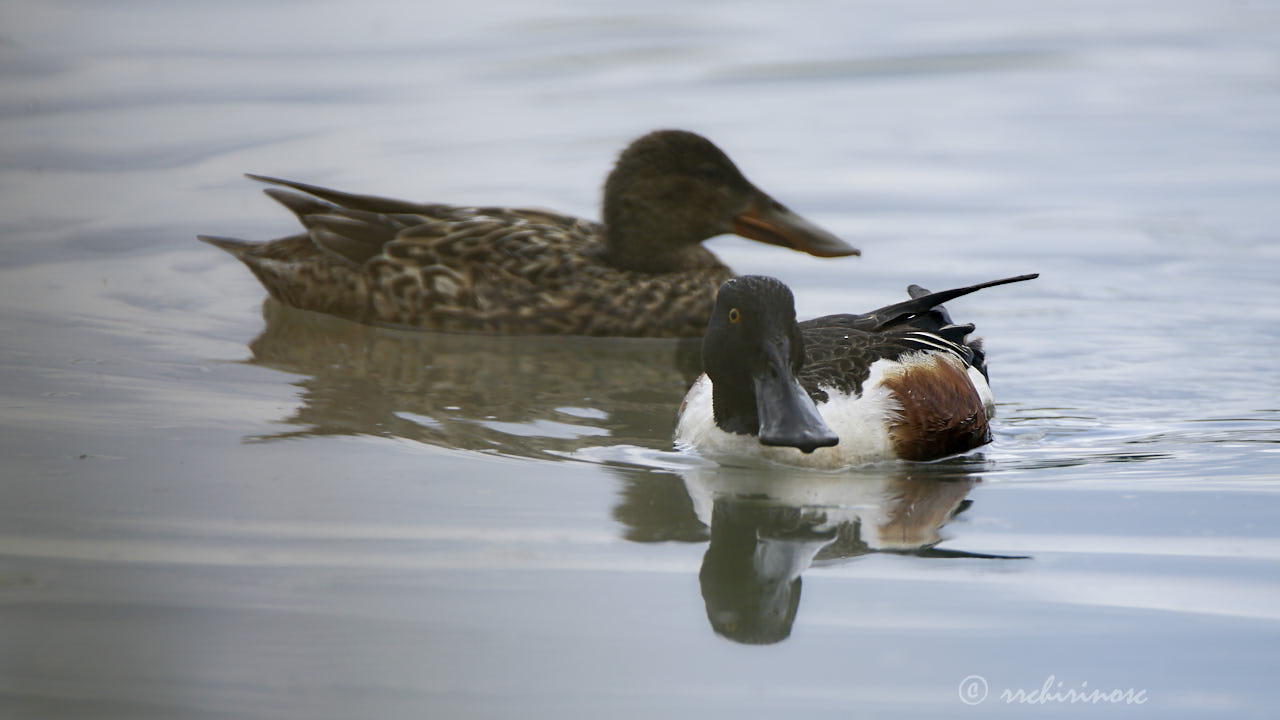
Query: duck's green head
(672,189)
(752,352)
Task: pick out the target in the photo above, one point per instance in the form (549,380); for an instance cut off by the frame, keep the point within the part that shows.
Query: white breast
(860,421)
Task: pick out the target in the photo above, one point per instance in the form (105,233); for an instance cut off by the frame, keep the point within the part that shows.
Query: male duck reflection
(901,382)
(642,272)
(766,531)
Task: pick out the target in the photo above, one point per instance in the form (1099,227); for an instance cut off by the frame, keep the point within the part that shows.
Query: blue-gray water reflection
(554,398)
(212,510)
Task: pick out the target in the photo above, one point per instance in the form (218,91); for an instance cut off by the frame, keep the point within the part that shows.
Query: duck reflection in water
(524,396)
(767,529)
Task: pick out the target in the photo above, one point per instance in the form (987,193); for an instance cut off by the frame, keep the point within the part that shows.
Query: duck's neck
(666,260)
(733,405)
(640,239)
(649,250)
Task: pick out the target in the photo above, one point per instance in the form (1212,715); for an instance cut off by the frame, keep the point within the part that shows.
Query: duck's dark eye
(734,315)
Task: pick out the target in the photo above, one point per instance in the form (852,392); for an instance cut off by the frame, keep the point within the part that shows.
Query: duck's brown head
(672,189)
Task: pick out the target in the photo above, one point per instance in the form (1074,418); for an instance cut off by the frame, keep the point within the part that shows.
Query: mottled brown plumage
(484,269)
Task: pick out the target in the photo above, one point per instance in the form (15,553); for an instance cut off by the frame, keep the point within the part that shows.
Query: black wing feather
(880,319)
(840,349)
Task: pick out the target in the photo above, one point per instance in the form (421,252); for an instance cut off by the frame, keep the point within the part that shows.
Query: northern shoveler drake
(642,272)
(902,382)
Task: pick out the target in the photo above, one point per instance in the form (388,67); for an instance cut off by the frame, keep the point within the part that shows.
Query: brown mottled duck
(641,272)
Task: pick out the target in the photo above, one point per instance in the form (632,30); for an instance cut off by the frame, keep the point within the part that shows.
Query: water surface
(213,506)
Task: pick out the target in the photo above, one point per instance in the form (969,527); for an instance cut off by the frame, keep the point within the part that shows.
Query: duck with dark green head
(641,272)
(899,383)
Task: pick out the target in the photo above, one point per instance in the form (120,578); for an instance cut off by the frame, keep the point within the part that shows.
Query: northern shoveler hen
(902,382)
(642,272)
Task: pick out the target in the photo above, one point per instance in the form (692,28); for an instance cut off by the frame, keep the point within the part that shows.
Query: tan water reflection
(524,396)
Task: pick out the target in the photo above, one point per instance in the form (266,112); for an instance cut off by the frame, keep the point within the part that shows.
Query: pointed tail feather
(299,205)
(923,302)
(236,247)
(370,203)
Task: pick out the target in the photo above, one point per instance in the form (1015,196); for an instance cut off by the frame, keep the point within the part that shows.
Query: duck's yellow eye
(734,315)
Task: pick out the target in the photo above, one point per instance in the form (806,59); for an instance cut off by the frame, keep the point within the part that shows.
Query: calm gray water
(211,507)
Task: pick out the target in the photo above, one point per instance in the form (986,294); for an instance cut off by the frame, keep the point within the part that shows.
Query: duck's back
(919,374)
